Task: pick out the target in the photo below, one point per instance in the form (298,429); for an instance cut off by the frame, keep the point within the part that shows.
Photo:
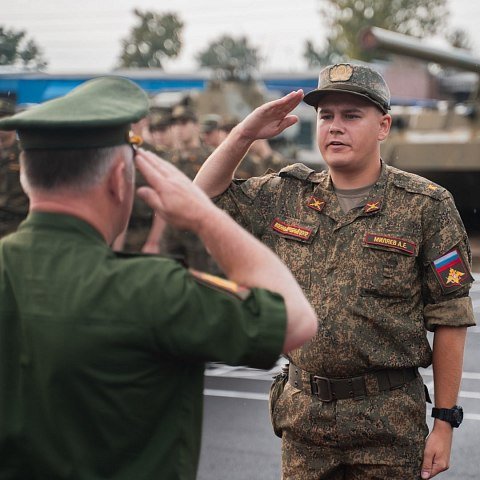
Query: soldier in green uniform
(383,256)
(13,201)
(102,354)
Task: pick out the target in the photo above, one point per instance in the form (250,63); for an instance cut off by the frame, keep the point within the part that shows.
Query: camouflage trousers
(379,436)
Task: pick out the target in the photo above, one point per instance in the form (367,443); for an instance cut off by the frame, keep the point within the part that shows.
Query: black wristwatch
(453,416)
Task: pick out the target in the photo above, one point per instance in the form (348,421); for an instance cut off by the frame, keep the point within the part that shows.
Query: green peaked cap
(96,114)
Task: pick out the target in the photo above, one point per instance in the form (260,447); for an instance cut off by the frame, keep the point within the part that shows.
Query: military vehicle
(440,142)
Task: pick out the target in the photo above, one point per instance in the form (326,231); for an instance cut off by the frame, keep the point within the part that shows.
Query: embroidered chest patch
(451,271)
(292,230)
(394,243)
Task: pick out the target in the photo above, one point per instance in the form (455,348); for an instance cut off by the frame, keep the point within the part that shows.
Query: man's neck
(353,179)
(88,212)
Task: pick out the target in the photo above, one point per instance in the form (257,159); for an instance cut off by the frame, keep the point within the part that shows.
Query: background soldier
(13,201)
(383,256)
(211,134)
(188,157)
(102,355)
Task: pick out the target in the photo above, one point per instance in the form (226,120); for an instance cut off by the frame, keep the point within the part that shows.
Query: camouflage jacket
(190,161)
(374,274)
(13,201)
(255,166)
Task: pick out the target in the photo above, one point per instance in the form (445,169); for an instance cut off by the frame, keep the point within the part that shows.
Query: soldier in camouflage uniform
(383,256)
(13,201)
(189,156)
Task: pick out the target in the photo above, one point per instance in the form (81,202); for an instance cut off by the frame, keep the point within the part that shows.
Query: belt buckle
(317,391)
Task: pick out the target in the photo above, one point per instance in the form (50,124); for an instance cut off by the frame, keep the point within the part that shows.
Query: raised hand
(171,193)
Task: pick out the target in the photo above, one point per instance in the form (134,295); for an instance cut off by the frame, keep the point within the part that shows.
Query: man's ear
(117,182)
(385,124)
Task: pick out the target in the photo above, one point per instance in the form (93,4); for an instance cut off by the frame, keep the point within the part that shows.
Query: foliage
(459,38)
(230,58)
(344,19)
(16,49)
(155,38)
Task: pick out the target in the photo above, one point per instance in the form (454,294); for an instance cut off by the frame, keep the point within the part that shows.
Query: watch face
(457,415)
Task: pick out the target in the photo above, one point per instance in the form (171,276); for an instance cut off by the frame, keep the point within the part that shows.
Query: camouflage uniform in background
(369,274)
(185,243)
(13,200)
(142,215)
(254,166)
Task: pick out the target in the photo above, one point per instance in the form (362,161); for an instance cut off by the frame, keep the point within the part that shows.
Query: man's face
(349,131)
(213,138)
(185,130)
(7,138)
(162,136)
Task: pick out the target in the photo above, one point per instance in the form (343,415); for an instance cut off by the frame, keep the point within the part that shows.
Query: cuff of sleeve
(457,312)
(271,327)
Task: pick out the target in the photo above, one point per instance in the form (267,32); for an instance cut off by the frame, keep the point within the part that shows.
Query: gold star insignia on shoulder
(316,203)
(432,187)
(372,207)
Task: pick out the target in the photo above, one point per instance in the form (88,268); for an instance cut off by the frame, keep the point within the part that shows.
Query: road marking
(465,375)
(210,392)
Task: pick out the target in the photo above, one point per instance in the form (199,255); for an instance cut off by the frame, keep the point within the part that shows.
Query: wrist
(242,137)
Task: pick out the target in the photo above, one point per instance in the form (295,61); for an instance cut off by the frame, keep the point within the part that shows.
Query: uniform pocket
(276,390)
(291,239)
(392,267)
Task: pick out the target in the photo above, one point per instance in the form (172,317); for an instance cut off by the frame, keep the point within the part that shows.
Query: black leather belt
(330,389)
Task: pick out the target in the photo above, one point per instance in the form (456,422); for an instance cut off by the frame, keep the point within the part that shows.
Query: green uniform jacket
(370,272)
(102,357)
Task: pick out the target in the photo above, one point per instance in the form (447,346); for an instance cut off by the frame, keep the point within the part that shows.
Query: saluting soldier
(384,257)
(102,355)
(13,201)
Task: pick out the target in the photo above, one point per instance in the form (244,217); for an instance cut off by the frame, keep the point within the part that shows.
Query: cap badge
(134,139)
(341,72)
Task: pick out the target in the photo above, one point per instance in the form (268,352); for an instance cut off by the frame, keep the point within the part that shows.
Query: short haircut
(76,169)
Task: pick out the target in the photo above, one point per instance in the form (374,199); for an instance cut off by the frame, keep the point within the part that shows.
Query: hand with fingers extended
(271,118)
(171,194)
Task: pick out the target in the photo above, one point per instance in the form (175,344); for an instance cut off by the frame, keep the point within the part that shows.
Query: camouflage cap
(181,112)
(229,123)
(210,122)
(355,79)
(159,120)
(96,114)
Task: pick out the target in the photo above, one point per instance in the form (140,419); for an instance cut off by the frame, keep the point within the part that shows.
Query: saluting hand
(271,118)
(171,193)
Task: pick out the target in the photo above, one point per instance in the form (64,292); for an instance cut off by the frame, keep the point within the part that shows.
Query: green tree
(344,19)
(16,49)
(155,37)
(459,38)
(230,58)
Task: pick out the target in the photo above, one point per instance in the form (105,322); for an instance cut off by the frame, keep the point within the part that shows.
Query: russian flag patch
(451,271)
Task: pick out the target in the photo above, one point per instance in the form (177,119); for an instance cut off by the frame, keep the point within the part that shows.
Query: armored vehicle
(440,142)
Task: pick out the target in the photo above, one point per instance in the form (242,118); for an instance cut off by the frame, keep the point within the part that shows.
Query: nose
(336,126)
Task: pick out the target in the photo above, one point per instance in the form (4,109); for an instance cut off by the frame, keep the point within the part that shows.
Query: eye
(325,116)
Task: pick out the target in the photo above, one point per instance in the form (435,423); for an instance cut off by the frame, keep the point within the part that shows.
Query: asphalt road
(238,443)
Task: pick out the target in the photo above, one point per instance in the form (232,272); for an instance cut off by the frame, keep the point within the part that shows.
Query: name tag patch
(291,230)
(394,243)
(451,271)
